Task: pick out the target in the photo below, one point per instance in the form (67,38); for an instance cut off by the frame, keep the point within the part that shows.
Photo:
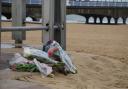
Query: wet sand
(100,53)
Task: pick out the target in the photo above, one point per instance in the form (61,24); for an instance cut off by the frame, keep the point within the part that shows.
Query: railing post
(18,17)
(48,19)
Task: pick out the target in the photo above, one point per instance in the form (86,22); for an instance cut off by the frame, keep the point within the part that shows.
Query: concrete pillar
(95,19)
(48,19)
(60,21)
(87,20)
(109,18)
(0,15)
(101,18)
(18,17)
(124,20)
(63,24)
(116,20)
(0,27)
(54,13)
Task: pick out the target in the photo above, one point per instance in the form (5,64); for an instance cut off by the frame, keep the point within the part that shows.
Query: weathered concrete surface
(8,77)
(4,60)
(6,55)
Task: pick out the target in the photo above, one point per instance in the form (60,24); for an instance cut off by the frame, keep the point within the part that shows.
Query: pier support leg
(124,20)
(95,20)
(116,20)
(109,18)
(87,20)
(101,18)
(18,17)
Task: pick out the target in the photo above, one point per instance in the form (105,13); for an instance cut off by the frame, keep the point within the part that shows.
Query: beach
(105,40)
(100,53)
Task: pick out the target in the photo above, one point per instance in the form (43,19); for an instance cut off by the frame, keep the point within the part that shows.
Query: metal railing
(25,28)
(87,3)
(7,1)
(34,1)
(27,1)
(83,3)
(98,4)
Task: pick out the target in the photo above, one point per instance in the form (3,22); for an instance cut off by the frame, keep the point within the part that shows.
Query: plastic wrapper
(43,68)
(52,59)
(40,55)
(18,59)
(69,67)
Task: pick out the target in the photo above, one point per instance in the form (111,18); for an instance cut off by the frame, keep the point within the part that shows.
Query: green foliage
(26,67)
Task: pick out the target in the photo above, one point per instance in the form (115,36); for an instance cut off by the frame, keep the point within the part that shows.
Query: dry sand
(100,53)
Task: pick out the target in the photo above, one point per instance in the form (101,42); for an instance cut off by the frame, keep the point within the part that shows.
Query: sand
(100,53)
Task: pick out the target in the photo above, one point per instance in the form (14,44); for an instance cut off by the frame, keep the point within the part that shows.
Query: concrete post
(63,24)
(48,19)
(87,20)
(95,19)
(101,18)
(60,16)
(18,17)
(0,27)
(109,18)
(124,20)
(116,19)
(0,16)
(54,13)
